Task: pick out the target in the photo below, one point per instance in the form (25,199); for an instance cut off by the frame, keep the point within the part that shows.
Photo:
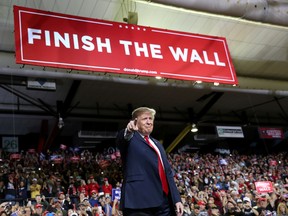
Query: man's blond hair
(137,112)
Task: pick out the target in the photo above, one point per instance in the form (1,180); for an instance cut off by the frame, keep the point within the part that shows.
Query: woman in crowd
(282,209)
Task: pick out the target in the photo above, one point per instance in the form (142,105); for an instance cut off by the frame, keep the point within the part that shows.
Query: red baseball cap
(93,191)
(262,199)
(201,203)
(38,205)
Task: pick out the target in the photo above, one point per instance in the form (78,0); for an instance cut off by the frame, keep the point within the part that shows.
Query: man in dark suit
(148,186)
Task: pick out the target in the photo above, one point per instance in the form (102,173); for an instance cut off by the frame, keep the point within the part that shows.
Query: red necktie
(160,167)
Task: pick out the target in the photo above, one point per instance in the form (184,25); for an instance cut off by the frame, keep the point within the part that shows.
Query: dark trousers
(166,209)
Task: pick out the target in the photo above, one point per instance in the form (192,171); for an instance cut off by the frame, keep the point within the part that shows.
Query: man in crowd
(38,210)
(35,188)
(93,185)
(94,199)
(41,201)
(107,187)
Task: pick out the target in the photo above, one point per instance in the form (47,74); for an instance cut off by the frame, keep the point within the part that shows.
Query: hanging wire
(123,9)
(133,6)
(128,6)
(256,119)
(13,111)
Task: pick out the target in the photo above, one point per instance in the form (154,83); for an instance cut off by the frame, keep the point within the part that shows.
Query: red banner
(273,163)
(15,156)
(32,150)
(104,164)
(66,41)
(264,187)
(270,133)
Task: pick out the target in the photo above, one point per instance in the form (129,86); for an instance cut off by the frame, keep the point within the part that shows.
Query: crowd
(68,182)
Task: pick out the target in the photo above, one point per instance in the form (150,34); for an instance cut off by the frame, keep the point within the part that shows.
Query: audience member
(22,192)
(41,201)
(38,208)
(93,185)
(107,187)
(35,188)
(94,199)
(10,191)
(282,209)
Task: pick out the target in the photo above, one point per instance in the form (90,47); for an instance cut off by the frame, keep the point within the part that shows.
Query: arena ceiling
(103,102)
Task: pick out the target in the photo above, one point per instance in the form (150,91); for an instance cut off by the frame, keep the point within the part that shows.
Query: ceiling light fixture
(194,128)
(60,122)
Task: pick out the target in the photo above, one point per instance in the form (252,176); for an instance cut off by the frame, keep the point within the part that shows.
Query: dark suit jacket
(142,187)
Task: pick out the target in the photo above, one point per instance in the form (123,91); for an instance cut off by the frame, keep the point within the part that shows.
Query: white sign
(41,83)
(116,193)
(230,131)
(10,144)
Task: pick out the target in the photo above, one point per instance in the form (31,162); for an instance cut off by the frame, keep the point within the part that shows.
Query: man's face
(38,199)
(39,210)
(145,123)
(202,207)
(62,196)
(197,210)
(215,211)
(108,200)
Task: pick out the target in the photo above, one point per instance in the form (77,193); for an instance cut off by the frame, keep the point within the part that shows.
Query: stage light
(60,122)
(194,128)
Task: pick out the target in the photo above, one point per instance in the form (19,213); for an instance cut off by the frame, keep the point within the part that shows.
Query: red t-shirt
(107,189)
(83,189)
(93,186)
